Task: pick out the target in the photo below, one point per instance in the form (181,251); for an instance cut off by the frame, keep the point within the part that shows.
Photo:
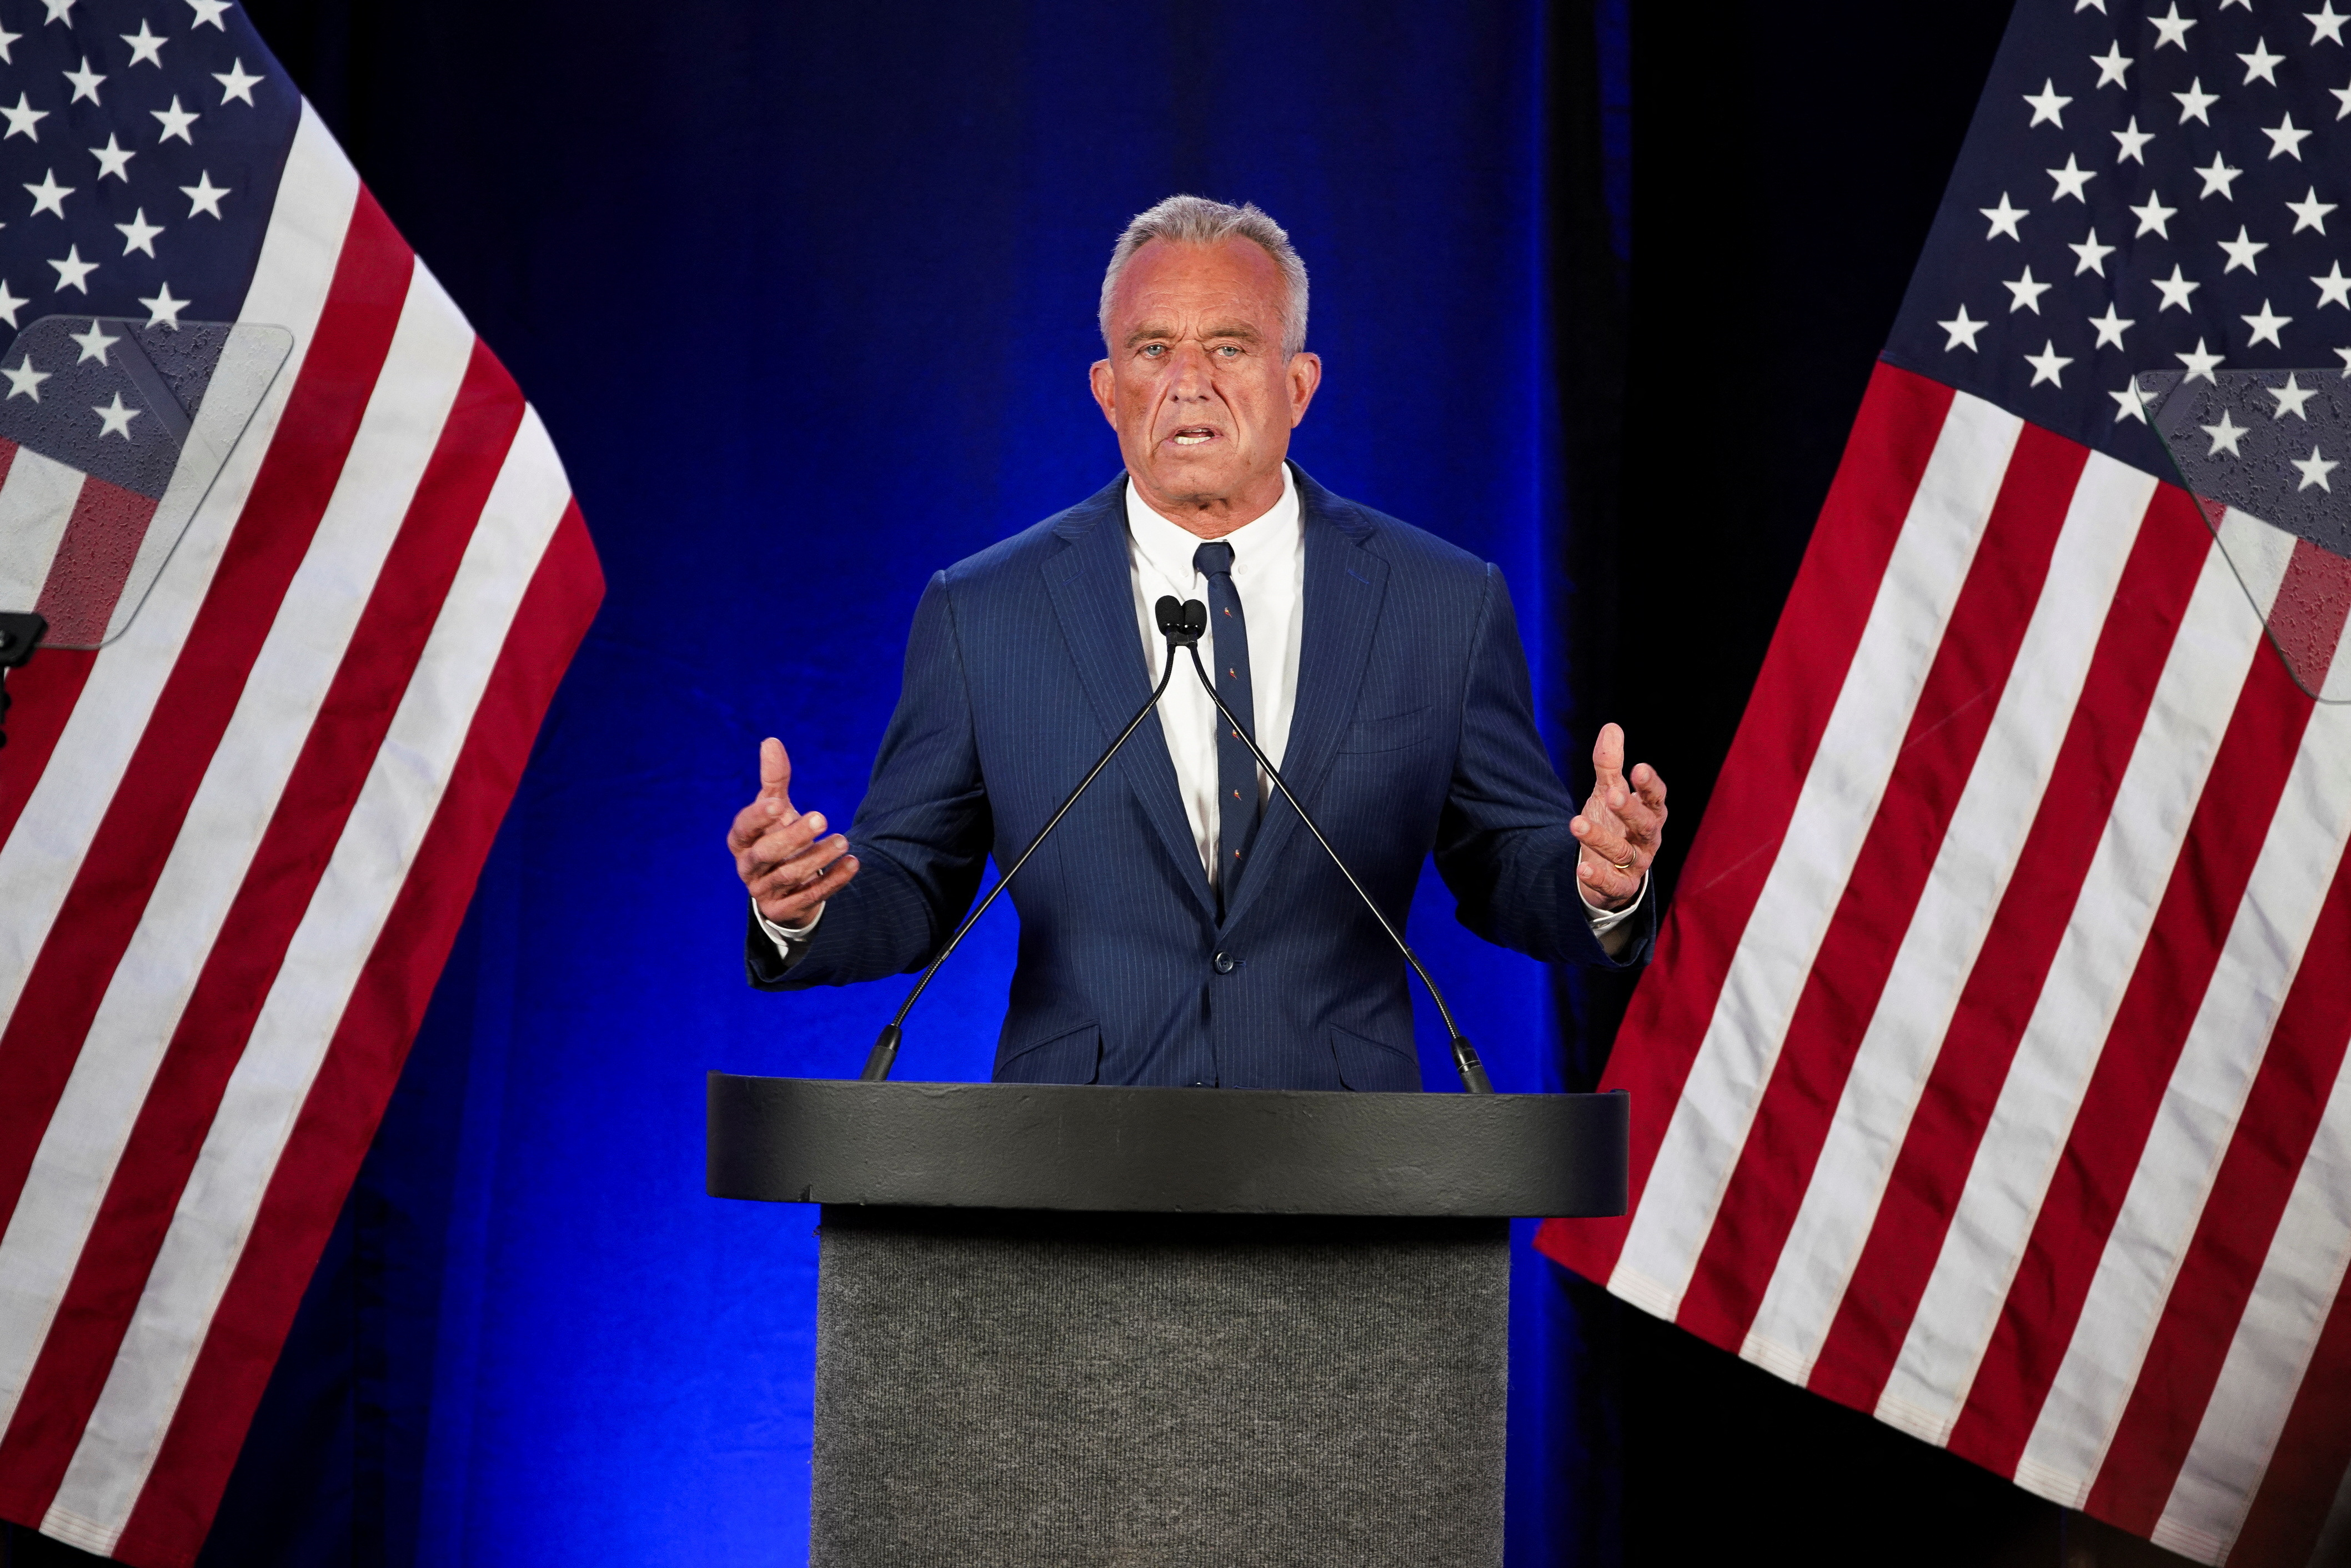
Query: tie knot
(1214,560)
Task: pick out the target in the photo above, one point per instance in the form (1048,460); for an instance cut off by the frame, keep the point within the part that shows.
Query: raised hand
(782,856)
(1621,826)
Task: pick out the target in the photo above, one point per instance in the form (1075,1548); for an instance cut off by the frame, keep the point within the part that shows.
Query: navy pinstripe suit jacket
(1413,732)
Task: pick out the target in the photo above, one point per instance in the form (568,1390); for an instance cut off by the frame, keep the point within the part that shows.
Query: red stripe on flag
(1922,1190)
(41,698)
(2142,1046)
(94,558)
(347,1100)
(1892,437)
(242,968)
(108,896)
(2312,601)
(1954,711)
(2233,1234)
(2312,1456)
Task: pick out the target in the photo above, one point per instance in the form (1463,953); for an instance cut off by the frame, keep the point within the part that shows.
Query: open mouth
(1194,435)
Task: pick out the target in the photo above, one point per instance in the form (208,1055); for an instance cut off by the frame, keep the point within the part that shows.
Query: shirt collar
(1168,547)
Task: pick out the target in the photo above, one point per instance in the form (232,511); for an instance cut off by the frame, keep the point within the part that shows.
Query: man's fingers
(749,823)
(785,843)
(1639,821)
(782,838)
(775,770)
(1608,755)
(800,865)
(1606,841)
(792,905)
(1652,788)
(1606,886)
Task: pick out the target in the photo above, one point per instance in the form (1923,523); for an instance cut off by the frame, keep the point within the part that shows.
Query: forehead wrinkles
(1174,293)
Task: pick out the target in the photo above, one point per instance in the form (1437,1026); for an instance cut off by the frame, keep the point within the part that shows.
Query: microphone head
(1181,624)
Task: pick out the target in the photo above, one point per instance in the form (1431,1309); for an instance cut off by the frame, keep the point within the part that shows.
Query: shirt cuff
(788,937)
(1606,920)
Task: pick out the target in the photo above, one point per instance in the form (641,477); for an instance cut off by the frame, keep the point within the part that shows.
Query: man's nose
(1190,378)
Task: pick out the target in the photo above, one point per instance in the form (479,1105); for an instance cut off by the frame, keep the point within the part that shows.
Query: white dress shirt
(1269,577)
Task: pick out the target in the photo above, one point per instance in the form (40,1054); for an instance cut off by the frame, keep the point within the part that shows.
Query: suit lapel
(1344,586)
(1093,596)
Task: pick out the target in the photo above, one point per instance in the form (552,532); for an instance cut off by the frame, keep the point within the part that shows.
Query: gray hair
(1198,220)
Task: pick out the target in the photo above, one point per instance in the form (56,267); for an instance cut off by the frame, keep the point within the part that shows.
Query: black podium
(1062,1324)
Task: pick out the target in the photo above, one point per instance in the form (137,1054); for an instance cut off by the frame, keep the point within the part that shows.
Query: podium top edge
(1085,1147)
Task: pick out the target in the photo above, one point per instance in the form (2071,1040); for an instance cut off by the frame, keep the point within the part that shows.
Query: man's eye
(1229,350)
(1153,350)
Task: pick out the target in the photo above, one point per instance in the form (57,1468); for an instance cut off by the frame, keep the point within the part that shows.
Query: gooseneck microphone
(1180,623)
(1464,1056)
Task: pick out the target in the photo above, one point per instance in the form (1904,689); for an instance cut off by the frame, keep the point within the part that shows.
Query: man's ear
(1304,375)
(1099,379)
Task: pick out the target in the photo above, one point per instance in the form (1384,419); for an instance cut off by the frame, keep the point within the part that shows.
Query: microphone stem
(1465,1059)
(886,1048)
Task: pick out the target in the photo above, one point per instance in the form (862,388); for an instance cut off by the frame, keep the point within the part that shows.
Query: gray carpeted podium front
(1079,1325)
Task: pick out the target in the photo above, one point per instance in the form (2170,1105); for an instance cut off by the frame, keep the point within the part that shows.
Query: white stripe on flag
(1856,757)
(42,856)
(297,1022)
(1981,848)
(2200,1107)
(2218,638)
(35,504)
(242,376)
(2273,1346)
(90,1128)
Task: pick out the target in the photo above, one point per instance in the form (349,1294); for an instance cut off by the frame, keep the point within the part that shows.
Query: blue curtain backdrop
(806,295)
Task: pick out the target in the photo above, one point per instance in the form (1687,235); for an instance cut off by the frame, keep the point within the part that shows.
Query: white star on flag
(24,381)
(2070,180)
(2309,212)
(2290,398)
(2048,364)
(2153,216)
(94,343)
(146,46)
(2225,435)
(114,419)
(72,271)
(2048,105)
(2265,323)
(165,311)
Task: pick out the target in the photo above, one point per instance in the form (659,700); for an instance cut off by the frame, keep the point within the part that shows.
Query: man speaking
(1182,926)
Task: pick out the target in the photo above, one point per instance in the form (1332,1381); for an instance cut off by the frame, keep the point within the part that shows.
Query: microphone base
(883,1056)
(1472,1071)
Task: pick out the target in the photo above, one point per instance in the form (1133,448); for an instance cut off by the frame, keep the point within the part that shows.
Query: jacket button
(1224,964)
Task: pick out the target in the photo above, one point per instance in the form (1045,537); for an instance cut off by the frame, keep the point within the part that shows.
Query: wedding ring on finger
(1624,864)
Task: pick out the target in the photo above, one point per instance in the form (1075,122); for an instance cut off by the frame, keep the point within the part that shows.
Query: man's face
(1196,385)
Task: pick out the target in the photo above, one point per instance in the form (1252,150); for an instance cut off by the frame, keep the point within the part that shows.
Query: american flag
(323,570)
(1991,1076)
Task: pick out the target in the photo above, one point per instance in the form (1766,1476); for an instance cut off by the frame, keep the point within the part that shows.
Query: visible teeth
(1190,440)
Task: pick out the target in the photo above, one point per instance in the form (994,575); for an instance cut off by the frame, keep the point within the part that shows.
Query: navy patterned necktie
(1236,803)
